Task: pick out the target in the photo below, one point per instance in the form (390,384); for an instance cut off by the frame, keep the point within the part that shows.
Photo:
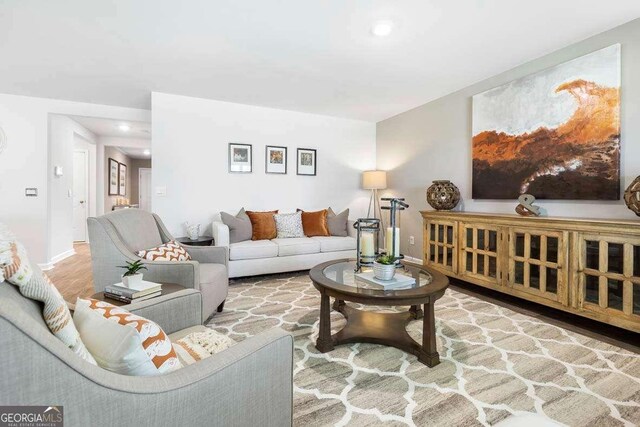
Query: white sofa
(254,257)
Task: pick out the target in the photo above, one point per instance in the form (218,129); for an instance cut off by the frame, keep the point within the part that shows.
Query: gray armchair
(117,236)
(247,384)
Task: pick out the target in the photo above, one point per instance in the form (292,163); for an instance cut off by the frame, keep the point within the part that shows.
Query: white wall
(433,141)
(62,143)
(25,163)
(190,144)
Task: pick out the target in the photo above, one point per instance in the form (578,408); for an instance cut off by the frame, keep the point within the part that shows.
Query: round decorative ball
(443,195)
(632,196)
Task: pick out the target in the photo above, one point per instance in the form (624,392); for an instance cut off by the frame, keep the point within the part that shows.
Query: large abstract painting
(554,134)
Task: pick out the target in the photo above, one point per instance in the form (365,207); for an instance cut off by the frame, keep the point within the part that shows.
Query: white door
(144,189)
(80,194)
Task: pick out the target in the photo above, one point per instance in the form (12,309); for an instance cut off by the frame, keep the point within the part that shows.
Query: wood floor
(72,276)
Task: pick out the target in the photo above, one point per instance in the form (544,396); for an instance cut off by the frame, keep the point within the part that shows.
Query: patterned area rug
(494,363)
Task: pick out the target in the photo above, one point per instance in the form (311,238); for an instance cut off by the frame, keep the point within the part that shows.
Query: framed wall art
(122,179)
(554,134)
(307,160)
(275,160)
(113,177)
(240,158)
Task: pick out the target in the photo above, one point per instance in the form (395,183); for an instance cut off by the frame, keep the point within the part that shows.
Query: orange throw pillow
(263,224)
(315,223)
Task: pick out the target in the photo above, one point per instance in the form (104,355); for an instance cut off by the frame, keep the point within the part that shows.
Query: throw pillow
(289,225)
(338,224)
(315,223)
(122,342)
(263,225)
(200,345)
(35,285)
(170,251)
(239,226)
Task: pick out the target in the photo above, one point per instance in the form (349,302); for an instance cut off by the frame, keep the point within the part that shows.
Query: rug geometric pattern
(494,363)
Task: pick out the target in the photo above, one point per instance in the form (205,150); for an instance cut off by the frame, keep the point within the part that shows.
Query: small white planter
(132,281)
(383,271)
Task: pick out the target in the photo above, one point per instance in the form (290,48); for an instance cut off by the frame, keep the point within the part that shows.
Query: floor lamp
(374,180)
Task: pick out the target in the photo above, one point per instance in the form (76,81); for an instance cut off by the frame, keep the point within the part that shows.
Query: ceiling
(302,55)
(135,152)
(111,128)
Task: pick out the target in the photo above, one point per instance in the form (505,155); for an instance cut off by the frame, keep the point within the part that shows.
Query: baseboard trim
(413,260)
(64,255)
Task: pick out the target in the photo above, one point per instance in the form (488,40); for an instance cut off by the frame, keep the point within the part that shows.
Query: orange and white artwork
(554,134)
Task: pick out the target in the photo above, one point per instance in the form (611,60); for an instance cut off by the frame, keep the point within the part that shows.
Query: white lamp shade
(374,180)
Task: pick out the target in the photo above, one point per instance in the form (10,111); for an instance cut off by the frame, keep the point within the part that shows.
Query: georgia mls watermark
(31,416)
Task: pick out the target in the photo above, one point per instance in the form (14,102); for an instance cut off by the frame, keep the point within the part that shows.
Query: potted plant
(384,267)
(132,278)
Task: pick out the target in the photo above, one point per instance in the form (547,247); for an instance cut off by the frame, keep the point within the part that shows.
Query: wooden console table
(586,267)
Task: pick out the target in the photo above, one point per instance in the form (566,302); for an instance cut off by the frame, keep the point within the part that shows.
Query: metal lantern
(367,247)
(392,243)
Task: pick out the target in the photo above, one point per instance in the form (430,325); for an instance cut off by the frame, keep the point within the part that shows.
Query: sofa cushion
(263,225)
(239,226)
(170,251)
(315,223)
(289,225)
(252,249)
(123,342)
(297,246)
(335,243)
(199,345)
(337,224)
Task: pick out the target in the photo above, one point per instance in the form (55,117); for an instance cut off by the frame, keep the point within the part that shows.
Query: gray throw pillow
(337,224)
(239,226)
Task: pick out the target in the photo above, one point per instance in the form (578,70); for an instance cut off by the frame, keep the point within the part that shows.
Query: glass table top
(344,273)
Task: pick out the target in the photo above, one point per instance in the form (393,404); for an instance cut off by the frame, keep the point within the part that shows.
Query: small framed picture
(122,179)
(240,158)
(306,161)
(276,160)
(113,177)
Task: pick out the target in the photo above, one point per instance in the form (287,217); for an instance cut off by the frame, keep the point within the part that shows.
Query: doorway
(80,194)
(144,189)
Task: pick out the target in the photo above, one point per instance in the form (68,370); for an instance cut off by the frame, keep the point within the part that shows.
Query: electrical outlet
(412,240)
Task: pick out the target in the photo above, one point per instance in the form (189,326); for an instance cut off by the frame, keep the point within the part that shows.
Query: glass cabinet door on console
(479,252)
(609,275)
(537,263)
(440,244)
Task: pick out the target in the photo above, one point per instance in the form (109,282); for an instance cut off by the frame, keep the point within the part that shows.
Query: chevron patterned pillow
(170,251)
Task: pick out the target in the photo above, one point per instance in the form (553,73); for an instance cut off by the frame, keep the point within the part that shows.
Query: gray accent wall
(433,141)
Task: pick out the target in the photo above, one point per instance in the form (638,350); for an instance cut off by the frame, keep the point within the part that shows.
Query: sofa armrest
(185,273)
(352,232)
(208,254)
(173,312)
(220,233)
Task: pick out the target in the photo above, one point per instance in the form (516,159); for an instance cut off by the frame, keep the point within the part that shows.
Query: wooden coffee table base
(379,328)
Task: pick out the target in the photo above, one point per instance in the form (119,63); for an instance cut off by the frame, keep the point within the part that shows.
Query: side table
(201,241)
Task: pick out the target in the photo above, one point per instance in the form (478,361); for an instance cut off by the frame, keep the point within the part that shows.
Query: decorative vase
(134,281)
(193,230)
(443,195)
(632,196)
(383,271)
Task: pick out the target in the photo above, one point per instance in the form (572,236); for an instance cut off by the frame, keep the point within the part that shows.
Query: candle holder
(367,247)
(396,205)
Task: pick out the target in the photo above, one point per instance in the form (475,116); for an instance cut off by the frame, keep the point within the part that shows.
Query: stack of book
(399,281)
(146,290)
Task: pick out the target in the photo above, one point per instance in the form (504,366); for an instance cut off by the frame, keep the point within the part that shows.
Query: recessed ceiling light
(147,152)
(382,28)
(124,127)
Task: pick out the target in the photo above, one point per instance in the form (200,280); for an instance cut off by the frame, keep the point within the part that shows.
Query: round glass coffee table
(338,279)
